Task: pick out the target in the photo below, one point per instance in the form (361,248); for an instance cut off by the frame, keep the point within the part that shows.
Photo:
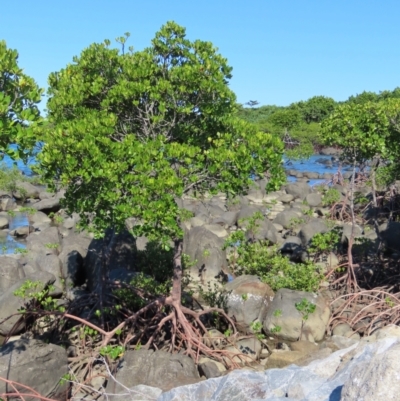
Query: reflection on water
(8,244)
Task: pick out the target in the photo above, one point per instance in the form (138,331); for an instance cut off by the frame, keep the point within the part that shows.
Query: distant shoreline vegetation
(299,124)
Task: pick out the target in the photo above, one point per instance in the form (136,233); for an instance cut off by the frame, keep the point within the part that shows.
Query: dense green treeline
(299,124)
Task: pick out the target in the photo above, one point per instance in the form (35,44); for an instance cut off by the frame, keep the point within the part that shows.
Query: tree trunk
(351,274)
(105,263)
(176,292)
(375,206)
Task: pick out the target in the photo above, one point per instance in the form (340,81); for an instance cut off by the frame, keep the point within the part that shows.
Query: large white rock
(377,379)
(321,380)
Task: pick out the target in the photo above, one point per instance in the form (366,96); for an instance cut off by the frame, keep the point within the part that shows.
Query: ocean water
(313,165)
(23,167)
(8,244)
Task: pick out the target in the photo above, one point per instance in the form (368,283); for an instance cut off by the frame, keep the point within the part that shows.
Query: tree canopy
(129,132)
(19,98)
(365,130)
(315,109)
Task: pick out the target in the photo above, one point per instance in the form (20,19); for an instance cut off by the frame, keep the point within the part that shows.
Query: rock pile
(58,254)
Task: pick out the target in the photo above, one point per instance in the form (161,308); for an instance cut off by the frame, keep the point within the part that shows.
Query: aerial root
(367,309)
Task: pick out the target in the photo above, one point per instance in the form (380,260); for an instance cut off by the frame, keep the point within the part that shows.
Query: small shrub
(252,223)
(260,259)
(52,245)
(40,293)
(27,210)
(296,221)
(256,328)
(112,351)
(21,251)
(331,196)
(9,178)
(214,297)
(305,307)
(322,243)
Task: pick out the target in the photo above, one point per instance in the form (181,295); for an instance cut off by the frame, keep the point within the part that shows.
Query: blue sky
(281,51)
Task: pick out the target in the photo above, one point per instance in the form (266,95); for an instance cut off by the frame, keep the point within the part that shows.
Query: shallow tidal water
(9,244)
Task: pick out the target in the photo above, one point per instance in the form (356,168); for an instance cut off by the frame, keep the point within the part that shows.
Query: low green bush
(265,261)
(330,197)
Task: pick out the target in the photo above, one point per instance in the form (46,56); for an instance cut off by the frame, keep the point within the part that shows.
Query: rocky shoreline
(56,253)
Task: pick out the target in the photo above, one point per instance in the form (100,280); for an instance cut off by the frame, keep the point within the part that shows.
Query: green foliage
(365,130)
(112,351)
(260,259)
(305,307)
(22,251)
(150,287)
(86,331)
(234,239)
(206,253)
(285,274)
(251,224)
(27,210)
(386,175)
(301,121)
(360,200)
(155,262)
(228,332)
(366,97)
(11,213)
(256,328)
(40,293)
(315,109)
(9,178)
(276,329)
(308,136)
(65,378)
(303,150)
(325,242)
(389,302)
(187,263)
(214,297)
(330,197)
(256,115)
(129,132)
(285,119)
(19,97)
(296,221)
(52,245)
(58,219)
